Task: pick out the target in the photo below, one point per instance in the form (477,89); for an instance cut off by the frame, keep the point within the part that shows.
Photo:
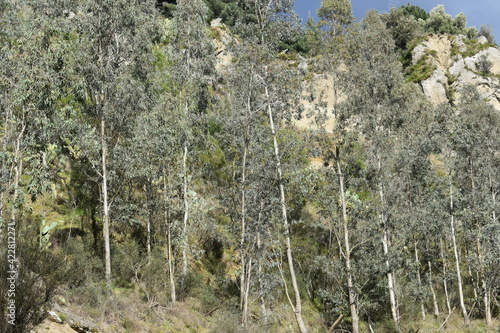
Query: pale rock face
(419,50)
(463,71)
(493,55)
(433,87)
(458,41)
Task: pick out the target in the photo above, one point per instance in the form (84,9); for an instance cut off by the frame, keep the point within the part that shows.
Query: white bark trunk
(244,269)
(105,227)
(170,259)
(297,308)
(347,254)
(457,260)
(487,304)
(186,214)
(431,287)
(445,281)
(385,243)
(148,225)
(419,279)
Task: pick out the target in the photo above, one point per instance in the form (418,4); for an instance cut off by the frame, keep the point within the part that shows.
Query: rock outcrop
(455,68)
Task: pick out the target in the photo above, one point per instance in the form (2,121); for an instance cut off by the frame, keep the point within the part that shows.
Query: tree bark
(297,308)
(186,214)
(147,189)
(431,287)
(347,254)
(105,229)
(170,259)
(244,269)
(385,244)
(486,289)
(445,281)
(419,279)
(457,260)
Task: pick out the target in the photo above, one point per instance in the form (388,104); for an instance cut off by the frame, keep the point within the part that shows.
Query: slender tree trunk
(147,189)
(246,287)
(385,244)
(243,264)
(347,254)
(494,201)
(186,214)
(18,170)
(105,229)
(431,287)
(168,224)
(262,299)
(457,260)
(487,303)
(486,289)
(419,279)
(297,308)
(445,280)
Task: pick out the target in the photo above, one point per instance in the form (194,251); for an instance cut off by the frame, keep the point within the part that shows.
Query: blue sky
(478,12)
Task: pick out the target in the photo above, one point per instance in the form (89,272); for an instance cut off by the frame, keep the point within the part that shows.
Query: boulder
(482,40)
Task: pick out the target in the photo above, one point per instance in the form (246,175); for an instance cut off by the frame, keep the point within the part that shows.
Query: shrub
(40,272)
(484,65)
(487,31)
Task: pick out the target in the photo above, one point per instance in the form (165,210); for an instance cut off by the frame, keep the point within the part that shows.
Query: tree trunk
(105,218)
(445,281)
(297,308)
(244,269)
(186,215)
(262,299)
(419,279)
(486,289)
(457,260)
(487,304)
(347,254)
(147,189)
(385,244)
(168,225)
(431,287)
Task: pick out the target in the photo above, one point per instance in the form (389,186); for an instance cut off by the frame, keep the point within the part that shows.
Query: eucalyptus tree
(378,102)
(277,89)
(335,14)
(474,139)
(34,55)
(113,62)
(243,140)
(192,52)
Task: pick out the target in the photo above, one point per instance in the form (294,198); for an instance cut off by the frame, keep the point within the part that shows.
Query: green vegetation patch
(474,47)
(423,69)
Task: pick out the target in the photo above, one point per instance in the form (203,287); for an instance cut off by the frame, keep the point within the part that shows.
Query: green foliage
(473,47)
(403,26)
(335,13)
(422,70)
(484,65)
(440,22)
(39,274)
(153,85)
(417,12)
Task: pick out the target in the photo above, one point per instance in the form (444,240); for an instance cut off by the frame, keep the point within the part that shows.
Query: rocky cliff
(457,62)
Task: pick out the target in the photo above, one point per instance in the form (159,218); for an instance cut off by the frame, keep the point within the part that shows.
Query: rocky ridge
(459,62)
